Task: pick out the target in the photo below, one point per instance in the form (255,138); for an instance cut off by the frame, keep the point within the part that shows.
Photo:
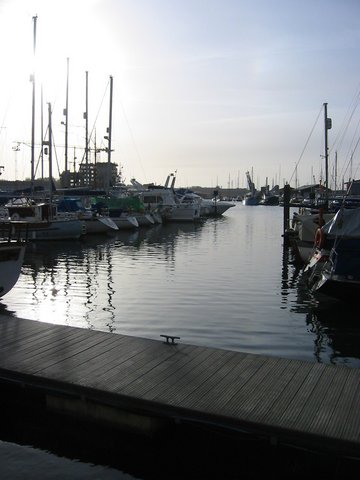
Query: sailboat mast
(110,132)
(50,152)
(42,133)
(33,109)
(66,113)
(328,125)
(86,126)
(326,148)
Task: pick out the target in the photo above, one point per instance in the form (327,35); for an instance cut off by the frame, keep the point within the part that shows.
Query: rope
(307,141)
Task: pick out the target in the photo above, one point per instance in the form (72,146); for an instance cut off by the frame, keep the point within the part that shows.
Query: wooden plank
(186,378)
(145,371)
(276,391)
(322,418)
(295,406)
(88,358)
(209,389)
(287,396)
(239,374)
(44,349)
(351,427)
(146,381)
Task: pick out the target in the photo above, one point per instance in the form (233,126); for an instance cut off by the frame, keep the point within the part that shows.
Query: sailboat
(34,220)
(306,223)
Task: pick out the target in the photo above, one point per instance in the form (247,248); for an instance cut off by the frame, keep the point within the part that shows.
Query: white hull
(125,222)
(100,225)
(144,219)
(210,208)
(11,260)
(49,230)
(181,213)
(169,206)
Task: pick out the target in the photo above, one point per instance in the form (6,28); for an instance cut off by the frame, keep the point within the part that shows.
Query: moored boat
(334,268)
(39,221)
(164,200)
(11,260)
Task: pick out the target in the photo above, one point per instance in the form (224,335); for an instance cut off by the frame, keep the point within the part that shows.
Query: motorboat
(163,199)
(334,268)
(209,207)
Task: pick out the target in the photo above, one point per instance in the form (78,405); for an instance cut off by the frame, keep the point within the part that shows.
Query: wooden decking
(295,402)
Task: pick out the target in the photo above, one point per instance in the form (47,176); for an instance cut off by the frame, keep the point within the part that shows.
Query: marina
(179,280)
(178,277)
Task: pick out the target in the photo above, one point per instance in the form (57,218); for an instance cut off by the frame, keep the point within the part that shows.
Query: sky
(208,89)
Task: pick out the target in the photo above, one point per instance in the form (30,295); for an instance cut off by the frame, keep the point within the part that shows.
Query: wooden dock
(141,383)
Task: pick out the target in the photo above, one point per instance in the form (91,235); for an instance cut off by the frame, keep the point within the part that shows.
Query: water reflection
(337,333)
(333,323)
(226,283)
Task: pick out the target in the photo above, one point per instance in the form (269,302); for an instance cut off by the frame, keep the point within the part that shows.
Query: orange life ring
(319,238)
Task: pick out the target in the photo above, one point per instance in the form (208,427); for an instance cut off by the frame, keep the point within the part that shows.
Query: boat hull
(100,225)
(11,260)
(51,230)
(125,222)
(338,287)
(251,201)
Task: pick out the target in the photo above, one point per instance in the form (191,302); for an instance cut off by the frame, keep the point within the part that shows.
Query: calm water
(225,283)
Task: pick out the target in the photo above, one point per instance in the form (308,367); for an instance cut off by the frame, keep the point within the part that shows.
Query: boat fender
(15,217)
(319,238)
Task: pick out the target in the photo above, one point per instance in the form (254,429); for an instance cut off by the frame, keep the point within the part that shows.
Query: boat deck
(299,403)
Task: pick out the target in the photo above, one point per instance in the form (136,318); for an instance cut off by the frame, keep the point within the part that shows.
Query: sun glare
(40,37)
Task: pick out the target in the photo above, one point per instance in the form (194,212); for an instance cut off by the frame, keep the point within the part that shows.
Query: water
(226,283)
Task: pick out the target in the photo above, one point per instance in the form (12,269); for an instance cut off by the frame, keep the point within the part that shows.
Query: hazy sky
(210,88)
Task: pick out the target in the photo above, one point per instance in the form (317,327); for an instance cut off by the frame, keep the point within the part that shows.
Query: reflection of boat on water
(336,340)
(343,341)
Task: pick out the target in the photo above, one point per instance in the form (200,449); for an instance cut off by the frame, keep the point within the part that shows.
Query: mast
(42,134)
(328,125)
(66,113)
(109,131)
(33,109)
(50,154)
(86,128)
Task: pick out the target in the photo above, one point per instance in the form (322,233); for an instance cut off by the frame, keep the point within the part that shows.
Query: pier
(144,386)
